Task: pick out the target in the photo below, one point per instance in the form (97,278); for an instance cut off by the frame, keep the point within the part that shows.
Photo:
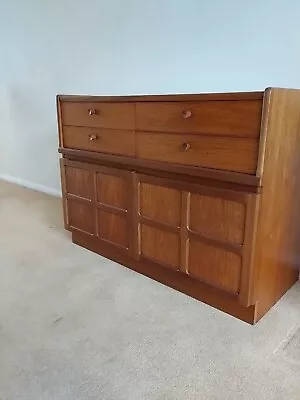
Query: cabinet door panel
(215,266)
(160,203)
(160,246)
(79,182)
(159,215)
(113,200)
(113,228)
(78,196)
(80,216)
(112,190)
(218,218)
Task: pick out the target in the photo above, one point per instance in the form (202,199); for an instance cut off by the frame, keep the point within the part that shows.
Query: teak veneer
(199,192)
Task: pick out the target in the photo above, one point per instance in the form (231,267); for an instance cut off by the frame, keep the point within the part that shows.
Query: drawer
(236,118)
(97,114)
(102,140)
(225,153)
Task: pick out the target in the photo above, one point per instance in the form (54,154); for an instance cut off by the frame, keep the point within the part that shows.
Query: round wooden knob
(93,137)
(92,112)
(187,114)
(186,146)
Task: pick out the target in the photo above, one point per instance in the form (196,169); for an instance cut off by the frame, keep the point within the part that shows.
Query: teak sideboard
(199,192)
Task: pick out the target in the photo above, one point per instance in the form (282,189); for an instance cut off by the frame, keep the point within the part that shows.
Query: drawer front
(101,140)
(237,118)
(225,153)
(96,114)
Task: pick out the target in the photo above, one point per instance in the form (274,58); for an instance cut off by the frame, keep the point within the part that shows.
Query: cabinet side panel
(59,123)
(64,193)
(277,247)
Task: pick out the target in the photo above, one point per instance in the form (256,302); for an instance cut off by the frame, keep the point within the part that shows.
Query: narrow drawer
(96,114)
(102,140)
(225,153)
(237,118)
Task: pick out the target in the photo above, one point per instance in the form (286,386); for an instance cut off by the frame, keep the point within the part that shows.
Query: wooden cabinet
(199,192)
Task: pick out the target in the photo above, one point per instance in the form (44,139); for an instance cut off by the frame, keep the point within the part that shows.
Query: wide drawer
(101,140)
(225,153)
(237,118)
(97,114)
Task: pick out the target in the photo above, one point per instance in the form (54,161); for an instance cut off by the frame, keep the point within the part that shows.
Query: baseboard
(30,185)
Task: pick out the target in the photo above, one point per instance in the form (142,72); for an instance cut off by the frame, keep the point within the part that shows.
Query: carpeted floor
(74,325)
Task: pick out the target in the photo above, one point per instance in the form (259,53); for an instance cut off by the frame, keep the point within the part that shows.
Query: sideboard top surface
(168,97)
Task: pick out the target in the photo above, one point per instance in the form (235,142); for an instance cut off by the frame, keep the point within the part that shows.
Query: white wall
(120,47)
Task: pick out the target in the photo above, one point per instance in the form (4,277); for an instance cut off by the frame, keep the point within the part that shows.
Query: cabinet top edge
(166,97)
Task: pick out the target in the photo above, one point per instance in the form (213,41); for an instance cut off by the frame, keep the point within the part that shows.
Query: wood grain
(113,228)
(112,190)
(184,233)
(230,236)
(248,250)
(160,246)
(59,121)
(182,282)
(226,153)
(80,216)
(214,266)
(135,216)
(231,118)
(212,177)
(169,97)
(218,218)
(277,254)
(64,193)
(105,115)
(79,182)
(105,140)
(160,203)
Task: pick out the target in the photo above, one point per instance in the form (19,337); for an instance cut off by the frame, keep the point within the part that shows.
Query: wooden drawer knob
(186,146)
(93,137)
(92,111)
(186,114)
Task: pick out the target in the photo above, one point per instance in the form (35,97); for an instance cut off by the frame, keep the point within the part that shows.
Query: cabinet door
(78,196)
(159,222)
(216,229)
(98,202)
(113,201)
(220,231)
(201,231)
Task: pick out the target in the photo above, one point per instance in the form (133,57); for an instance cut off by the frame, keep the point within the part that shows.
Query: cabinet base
(174,279)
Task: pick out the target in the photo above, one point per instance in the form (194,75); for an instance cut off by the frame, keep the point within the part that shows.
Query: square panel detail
(112,190)
(215,266)
(160,203)
(80,216)
(217,218)
(79,182)
(113,228)
(160,246)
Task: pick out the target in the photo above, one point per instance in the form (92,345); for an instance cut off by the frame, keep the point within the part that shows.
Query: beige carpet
(74,325)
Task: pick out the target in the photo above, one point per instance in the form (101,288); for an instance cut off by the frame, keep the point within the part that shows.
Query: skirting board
(30,185)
